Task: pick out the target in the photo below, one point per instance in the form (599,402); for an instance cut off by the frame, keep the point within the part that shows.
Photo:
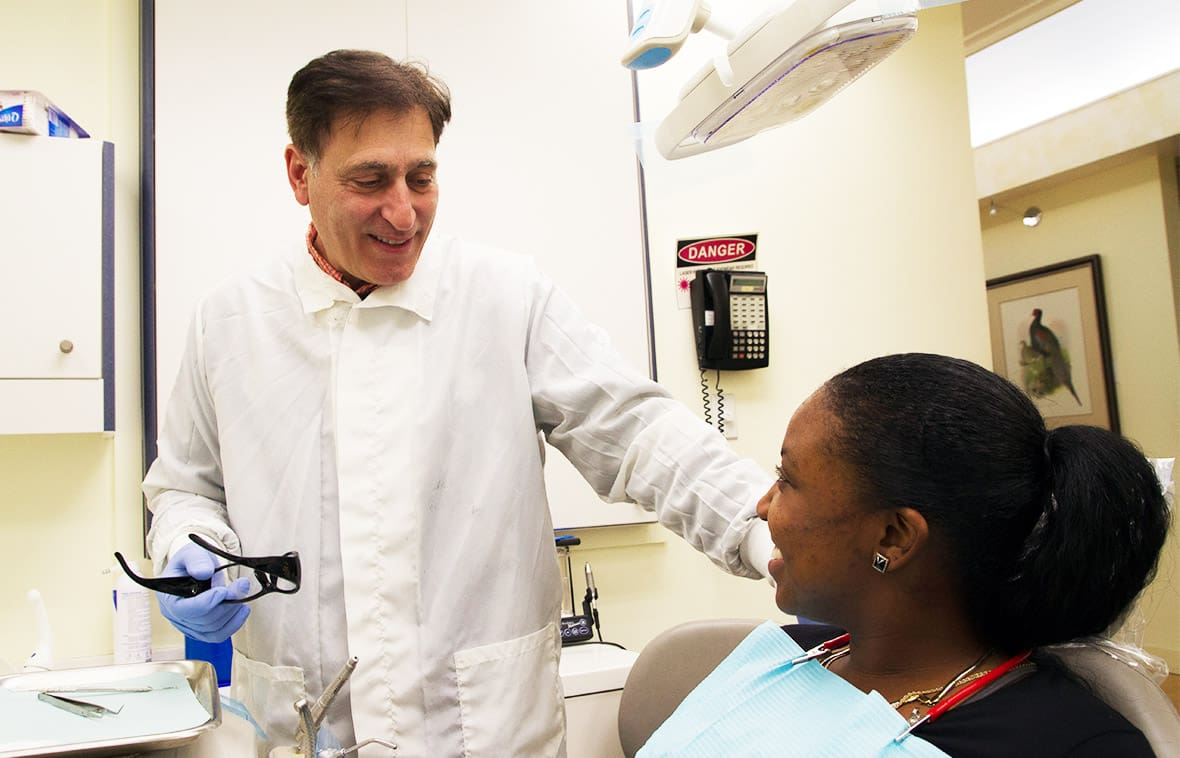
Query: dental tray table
(145,706)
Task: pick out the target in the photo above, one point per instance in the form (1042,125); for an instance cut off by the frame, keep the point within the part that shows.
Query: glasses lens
(285,585)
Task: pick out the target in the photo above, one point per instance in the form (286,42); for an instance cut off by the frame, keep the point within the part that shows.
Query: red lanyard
(942,706)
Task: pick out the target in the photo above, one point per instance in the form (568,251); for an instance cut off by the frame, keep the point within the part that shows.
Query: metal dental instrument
(333,689)
(275,573)
(312,716)
(590,601)
(77,707)
(102,690)
(308,729)
(340,752)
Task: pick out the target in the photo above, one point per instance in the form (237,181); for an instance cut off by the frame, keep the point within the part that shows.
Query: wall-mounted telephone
(730,319)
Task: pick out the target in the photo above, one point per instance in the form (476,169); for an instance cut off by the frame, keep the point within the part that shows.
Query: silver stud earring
(880,563)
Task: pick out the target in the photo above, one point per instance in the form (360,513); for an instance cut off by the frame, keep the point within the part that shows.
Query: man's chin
(389,277)
(388,270)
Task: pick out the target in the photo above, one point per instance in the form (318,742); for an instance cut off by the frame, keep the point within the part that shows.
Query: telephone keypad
(747,315)
(749,343)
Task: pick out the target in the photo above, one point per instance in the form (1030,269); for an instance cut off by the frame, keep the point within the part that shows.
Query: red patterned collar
(361,289)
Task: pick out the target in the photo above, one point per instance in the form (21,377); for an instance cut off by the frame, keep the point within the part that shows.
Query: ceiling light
(783,65)
(1032,216)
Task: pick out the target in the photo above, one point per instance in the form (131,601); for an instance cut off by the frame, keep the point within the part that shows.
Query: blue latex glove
(204,617)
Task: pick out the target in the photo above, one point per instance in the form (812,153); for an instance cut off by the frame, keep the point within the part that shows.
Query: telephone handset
(730,319)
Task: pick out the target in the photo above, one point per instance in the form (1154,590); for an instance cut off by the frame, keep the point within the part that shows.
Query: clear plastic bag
(1163,470)
(1151,666)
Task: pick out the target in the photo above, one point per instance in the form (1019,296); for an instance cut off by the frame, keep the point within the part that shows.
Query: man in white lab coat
(374,401)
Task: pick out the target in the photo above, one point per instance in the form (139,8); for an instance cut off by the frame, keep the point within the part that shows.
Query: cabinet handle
(65,346)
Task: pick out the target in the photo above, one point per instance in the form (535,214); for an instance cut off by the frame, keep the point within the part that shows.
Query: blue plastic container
(220,654)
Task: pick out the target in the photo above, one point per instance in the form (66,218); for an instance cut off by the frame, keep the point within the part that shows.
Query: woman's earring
(880,563)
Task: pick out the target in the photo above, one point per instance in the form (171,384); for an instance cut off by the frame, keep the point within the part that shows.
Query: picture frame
(1050,337)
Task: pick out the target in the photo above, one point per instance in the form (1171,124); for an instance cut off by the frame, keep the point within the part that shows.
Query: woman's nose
(764,504)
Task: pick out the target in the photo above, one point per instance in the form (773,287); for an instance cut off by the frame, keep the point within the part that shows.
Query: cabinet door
(51,245)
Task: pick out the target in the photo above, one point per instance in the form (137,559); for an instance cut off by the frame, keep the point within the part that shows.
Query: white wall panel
(537,157)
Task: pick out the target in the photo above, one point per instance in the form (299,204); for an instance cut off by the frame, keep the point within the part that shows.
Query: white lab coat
(404,427)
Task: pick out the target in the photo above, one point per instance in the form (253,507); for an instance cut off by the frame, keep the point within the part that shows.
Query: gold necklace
(922,697)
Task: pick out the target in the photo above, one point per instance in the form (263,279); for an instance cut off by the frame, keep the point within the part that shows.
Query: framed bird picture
(1050,338)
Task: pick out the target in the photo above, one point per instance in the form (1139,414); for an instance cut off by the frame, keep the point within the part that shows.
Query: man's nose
(397,207)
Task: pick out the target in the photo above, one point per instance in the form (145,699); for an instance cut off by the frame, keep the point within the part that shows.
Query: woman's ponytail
(1095,545)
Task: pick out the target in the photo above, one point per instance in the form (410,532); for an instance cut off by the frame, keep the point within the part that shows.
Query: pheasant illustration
(1044,342)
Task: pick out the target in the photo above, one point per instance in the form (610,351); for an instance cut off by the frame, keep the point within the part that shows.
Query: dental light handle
(662,26)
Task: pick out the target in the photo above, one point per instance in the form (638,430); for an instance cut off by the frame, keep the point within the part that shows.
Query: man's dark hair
(354,84)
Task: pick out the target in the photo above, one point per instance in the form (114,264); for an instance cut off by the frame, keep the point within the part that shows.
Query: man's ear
(904,536)
(298,170)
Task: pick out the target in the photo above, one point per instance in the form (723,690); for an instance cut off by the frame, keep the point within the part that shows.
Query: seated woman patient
(924,511)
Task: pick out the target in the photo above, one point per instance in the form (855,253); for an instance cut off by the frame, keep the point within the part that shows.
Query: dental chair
(673,663)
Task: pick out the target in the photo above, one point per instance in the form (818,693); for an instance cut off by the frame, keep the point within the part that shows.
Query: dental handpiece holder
(311,717)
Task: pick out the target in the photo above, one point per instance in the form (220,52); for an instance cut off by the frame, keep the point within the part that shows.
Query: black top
(1047,713)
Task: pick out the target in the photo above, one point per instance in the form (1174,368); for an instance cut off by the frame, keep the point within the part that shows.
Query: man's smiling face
(372,194)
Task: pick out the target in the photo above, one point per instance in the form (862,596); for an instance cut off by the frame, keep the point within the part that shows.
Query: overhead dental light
(783,65)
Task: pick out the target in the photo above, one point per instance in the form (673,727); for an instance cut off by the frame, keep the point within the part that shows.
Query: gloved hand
(206,617)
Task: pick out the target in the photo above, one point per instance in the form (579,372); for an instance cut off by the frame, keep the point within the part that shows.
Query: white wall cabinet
(57,248)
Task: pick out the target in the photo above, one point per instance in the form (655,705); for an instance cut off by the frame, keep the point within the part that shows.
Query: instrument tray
(201,679)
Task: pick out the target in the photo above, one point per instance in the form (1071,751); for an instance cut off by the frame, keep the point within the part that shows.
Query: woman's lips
(776,563)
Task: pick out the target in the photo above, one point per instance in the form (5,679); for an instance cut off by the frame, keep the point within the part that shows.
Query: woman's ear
(904,536)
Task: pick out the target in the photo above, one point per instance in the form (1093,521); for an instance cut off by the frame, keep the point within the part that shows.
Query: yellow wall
(69,501)
(1121,213)
(867,215)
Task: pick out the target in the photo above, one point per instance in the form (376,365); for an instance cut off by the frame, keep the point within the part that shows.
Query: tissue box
(30,112)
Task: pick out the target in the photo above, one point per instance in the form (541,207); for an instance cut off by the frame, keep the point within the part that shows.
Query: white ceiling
(1086,53)
(989,21)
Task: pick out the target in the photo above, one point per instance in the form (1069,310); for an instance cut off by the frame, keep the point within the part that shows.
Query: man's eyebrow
(366,166)
(386,168)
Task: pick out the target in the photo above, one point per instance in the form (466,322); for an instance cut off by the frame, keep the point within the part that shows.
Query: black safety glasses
(275,573)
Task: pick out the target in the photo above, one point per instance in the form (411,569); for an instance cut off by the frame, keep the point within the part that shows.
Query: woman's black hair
(1052,534)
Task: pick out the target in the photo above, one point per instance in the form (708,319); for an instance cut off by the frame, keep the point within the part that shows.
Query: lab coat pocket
(269,694)
(510,699)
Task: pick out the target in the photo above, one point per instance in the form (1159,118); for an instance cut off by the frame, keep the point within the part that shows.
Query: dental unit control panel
(576,628)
